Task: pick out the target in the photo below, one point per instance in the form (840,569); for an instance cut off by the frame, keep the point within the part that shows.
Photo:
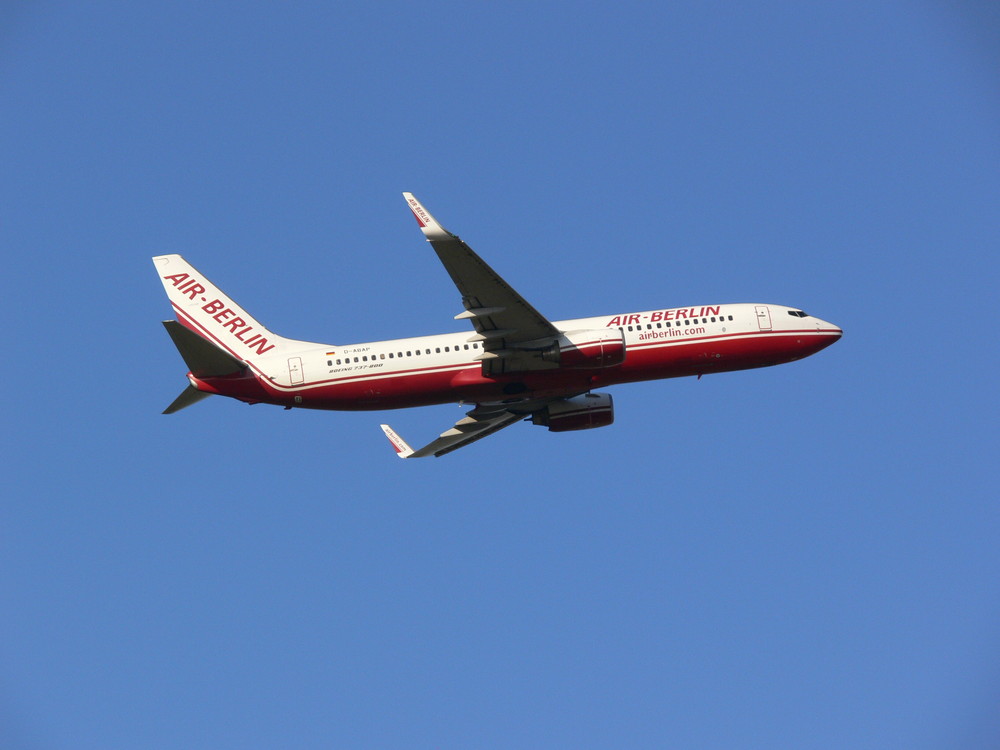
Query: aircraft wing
(502,317)
(465,431)
(484,420)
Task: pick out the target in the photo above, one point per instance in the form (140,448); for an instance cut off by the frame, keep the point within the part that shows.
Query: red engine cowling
(601,348)
(578,413)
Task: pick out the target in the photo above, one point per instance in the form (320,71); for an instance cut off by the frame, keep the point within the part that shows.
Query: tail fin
(205,309)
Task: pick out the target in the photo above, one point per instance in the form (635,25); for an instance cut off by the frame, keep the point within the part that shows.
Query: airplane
(516,365)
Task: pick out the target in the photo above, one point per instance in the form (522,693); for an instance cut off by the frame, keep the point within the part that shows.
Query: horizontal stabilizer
(189,395)
(203,358)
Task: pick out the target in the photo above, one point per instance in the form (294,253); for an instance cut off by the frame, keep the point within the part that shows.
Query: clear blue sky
(804,556)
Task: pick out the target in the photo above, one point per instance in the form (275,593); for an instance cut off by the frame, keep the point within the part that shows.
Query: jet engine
(578,413)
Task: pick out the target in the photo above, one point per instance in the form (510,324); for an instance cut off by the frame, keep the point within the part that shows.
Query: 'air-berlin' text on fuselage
(224,316)
(678,314)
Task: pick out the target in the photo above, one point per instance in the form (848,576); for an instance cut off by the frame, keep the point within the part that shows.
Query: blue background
(803,556)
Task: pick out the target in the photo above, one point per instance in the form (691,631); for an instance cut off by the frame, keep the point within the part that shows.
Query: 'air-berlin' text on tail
(206,310)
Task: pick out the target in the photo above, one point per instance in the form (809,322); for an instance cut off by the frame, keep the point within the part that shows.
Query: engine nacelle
(585,349)
(578,413)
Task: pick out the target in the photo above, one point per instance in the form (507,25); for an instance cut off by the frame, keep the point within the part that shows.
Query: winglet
(402,449)
(428,224)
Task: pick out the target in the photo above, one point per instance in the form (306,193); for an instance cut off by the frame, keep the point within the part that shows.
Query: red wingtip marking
(419,220)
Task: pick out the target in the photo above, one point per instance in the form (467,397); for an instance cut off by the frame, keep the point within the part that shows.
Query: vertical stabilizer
(206,310)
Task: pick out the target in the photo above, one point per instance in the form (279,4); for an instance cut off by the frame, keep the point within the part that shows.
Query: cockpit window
(798,314)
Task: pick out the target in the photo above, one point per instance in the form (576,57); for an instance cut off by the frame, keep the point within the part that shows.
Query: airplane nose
(827,334)
(829,328)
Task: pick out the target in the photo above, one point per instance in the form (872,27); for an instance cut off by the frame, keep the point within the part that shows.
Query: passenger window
(329,362)
(438,350)
(381,356)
